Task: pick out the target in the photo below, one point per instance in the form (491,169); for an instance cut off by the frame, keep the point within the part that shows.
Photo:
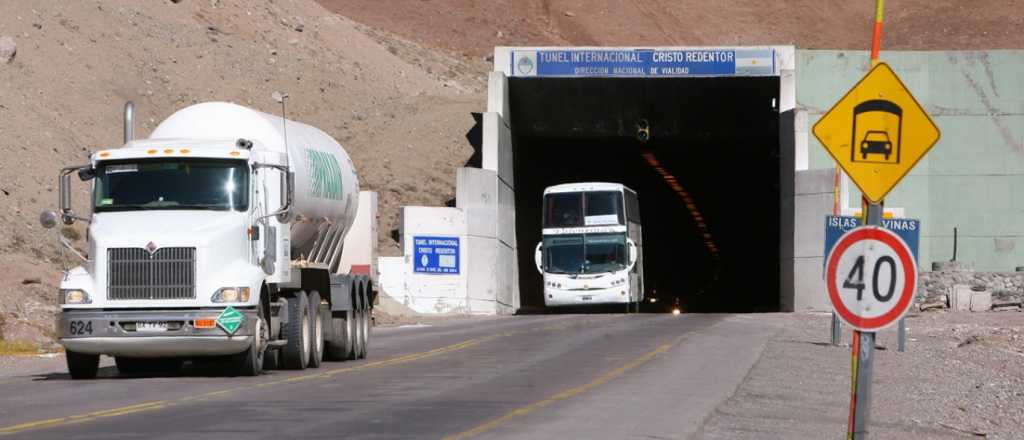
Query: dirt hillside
(402,111)
(473,28)
(395,81)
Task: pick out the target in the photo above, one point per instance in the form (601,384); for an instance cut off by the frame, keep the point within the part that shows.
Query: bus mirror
(631,248)
(538,258)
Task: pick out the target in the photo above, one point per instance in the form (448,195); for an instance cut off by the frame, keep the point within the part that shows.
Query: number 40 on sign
(871,278)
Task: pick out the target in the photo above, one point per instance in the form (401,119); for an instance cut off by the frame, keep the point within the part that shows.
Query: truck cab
(190,243)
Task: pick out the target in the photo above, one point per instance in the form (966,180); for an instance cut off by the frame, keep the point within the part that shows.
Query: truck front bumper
(115,333)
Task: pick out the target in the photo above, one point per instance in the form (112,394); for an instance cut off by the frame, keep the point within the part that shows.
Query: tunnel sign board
(907,228)
(436,255)
(871,278)
(642,62)
(877,132)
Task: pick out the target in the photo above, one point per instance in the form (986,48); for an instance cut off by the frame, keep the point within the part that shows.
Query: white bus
(591,252)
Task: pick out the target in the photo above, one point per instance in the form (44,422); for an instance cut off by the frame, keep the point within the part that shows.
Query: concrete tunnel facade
(737,140)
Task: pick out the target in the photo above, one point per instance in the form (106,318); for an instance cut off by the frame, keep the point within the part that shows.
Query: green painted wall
(973,178)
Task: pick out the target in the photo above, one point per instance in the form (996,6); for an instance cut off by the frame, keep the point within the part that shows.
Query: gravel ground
(962,377)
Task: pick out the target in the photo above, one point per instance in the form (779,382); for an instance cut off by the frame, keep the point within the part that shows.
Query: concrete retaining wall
(974,177)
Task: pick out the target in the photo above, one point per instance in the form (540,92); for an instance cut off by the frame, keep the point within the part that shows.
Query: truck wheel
(364,333)
(271,359)
(359,336)
(341,347)
(295,353)
(316,352)
(250,362)
(83,366)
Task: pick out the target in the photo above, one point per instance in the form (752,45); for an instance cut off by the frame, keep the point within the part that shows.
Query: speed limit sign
(871,277)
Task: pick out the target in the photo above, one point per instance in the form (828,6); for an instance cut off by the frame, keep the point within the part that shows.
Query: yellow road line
(570,392)
(149,406)
(83,417)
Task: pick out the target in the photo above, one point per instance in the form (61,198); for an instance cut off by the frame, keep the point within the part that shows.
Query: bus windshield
(573,209)
(585,254)
(219,185)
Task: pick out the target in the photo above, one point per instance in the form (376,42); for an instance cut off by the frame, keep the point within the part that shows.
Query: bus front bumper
(561,297)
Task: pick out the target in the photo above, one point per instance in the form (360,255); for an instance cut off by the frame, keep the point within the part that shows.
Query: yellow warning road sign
(877,132)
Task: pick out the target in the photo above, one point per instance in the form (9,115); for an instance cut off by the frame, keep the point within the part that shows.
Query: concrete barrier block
(483,268)
(981,301)
(809,224)
(507,288)
(391,276)
(497,147)
(507,214)
(960,298)
(359,253)
(433,220)
(436,293)
(815,181)
(809,294)
(477,196)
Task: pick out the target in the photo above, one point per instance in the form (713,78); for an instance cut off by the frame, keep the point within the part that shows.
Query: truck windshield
(584,254)
(594,208)
(220,185)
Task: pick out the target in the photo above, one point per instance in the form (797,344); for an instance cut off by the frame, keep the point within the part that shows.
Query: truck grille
(168,273)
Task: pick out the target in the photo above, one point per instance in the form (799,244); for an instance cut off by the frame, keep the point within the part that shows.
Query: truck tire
(83,366)
(250,362)
(316,333)
(357,324)
(271,360)
(342,345)
(295,353)
(364,332)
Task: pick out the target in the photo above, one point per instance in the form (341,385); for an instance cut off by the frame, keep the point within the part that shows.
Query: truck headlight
(73,296)
(230,295)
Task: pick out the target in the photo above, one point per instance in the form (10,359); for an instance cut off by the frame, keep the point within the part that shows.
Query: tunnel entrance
(708,178)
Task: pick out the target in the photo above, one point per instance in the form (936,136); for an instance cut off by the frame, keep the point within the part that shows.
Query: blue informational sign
(436,255)
(908,229)
(643,62)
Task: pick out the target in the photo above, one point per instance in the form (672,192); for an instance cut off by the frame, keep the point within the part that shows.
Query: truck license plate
(151,326)
(586,297)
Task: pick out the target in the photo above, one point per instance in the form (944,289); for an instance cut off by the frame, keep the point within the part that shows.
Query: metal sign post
(863,351)
(876,133)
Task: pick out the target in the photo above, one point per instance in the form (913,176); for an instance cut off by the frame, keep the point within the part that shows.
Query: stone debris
(8,49)
(957,287)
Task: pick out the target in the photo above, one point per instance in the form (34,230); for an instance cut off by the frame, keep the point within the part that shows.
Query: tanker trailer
(220,237)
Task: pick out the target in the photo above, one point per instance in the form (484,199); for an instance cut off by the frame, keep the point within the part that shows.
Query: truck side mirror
(86,174)
(538,258)
(67,215)
(48,219)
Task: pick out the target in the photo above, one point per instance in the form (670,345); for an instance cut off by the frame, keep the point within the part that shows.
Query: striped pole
(876,39)
(863,344)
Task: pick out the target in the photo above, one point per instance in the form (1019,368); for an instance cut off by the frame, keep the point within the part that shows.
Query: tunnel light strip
(688,201)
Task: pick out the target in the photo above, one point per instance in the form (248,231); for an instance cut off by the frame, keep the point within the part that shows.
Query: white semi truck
(222,236)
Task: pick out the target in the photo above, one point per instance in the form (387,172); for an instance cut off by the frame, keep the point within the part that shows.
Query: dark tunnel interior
(711,240)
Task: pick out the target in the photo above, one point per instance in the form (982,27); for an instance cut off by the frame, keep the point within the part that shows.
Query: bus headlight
(74,296)
(230,295)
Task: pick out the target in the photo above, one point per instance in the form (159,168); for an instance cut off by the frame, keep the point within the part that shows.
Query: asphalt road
(527,377)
